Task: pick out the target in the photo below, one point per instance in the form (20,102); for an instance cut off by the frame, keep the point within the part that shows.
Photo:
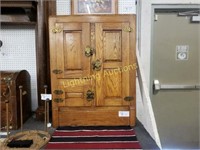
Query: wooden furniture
(92,61)
(10,82)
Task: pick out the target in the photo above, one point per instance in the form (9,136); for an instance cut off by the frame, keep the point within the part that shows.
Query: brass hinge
(58,100)
(57,30)
(58,92)
(57,71)
(127,29)
(128,98)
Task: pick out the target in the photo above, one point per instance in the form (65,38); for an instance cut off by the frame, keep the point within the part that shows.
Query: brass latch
(89,51)
(90,95)
(96,65)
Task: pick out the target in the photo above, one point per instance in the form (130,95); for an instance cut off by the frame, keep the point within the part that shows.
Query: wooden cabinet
(93,70)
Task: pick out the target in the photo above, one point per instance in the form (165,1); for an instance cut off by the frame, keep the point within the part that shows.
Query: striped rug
(90,137)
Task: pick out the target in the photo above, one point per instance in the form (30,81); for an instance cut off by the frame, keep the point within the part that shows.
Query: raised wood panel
(74,95)
(92,116)
(73,51)
(112,83)
(112,46)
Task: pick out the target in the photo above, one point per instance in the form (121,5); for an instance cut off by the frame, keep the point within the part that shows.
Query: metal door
(175,78)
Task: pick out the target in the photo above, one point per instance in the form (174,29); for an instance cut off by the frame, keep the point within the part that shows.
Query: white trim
(150,126)
(175,2)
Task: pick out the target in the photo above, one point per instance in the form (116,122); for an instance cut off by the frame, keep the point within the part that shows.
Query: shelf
(18,11)
(19,23)
(16,4)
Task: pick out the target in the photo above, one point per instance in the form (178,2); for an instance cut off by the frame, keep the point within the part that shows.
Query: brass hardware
(57,30)
(58,92)
(90,95)
(96,65)
(128,98)
(7,79)
(56,71)
(24,92)
(58,100)
(89,51)
(127,29)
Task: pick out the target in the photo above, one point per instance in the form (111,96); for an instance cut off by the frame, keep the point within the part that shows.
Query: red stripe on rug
(94,133)
(127,145)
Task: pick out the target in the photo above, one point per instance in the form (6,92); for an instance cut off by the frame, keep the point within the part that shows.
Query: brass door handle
(89,51)
(96,65)
(90,95)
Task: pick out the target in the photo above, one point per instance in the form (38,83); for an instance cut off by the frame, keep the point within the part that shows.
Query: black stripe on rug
(95,139)
(95,128)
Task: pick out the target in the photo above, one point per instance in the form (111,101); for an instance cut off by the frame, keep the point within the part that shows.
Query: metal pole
(45,109)
(47,113)
(21,109)
(7,120)
(8,98)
